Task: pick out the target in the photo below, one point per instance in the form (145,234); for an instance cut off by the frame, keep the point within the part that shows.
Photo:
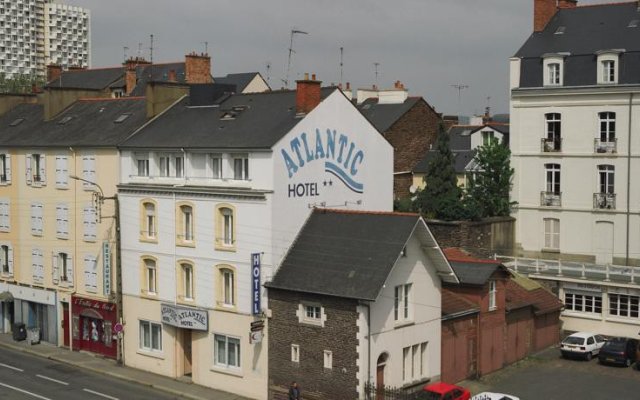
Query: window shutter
(88,171)
(35,269)
(69,270)
(40,266)
(10,257)
(7,167)
(55,274)
(90,273)
(37,224)
(40,218)
(90,225)
(43,170)
(62,172)
(28,170)
(5,218)
(62,221)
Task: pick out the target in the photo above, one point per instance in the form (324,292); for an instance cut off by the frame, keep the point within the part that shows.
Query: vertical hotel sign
(106,268)
(255,284)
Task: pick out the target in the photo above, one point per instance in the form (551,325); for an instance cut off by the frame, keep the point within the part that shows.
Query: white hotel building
(575,142)
(36,33)
(207,186)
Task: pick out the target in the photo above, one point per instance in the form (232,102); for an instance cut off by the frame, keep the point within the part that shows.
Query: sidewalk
(109,367)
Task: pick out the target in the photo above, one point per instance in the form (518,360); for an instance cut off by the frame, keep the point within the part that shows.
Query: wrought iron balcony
(609,146)
(551,199)
(604,201)
(551,145)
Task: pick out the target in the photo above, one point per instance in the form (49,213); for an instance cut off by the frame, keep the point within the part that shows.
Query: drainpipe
(628,213)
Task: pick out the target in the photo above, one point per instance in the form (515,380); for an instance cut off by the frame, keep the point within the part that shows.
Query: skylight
(65,120)
(634,23)
(122,118)
(560,30)
(16,122)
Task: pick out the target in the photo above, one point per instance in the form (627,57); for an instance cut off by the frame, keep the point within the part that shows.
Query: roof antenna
(460,88)
(139,49)
(268,65)
(125,48)
(151,57)
(376,65)
(206,47)
(341,63)
(291,52)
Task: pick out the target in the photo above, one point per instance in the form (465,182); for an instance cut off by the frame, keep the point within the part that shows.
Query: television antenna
(341,62)
(376,65)
(460,88)
(268,66)
(291,52)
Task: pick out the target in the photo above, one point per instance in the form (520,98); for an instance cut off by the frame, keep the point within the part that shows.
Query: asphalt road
(25,377)
(550,377)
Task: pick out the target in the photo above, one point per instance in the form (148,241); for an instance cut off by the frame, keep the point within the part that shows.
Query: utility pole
(291,52)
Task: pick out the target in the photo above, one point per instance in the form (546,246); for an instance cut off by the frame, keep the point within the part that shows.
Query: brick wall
(339,335)
(411,137)
(197,68)
(481,238)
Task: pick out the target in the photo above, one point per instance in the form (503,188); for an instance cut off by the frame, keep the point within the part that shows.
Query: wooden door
(65,324)
(380,382)
(186,346)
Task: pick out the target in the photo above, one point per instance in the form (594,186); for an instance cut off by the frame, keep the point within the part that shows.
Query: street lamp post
(99,200)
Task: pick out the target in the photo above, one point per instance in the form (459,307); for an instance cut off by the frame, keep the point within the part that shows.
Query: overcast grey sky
(429,45)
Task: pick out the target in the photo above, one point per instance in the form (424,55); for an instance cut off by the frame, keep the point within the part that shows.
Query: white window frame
(151,276)
(607,125)
(187,281)
(624,306)
(553,178)
(215,165)
(240,167)
(36,169)
(328,359)
(493,291)
(5,214)
(553,69)
(227,226)
(37,219)
(187,223)
(150,220)
(295,353)
(90,223)
(551,233)
(5,169)
(62,221)
(311,313)
(608,67)
(228,287)
(153,330)
(581,302)
(89,172)
(142,164)
(606,179)
(62,172)
(402,303)
(225,364)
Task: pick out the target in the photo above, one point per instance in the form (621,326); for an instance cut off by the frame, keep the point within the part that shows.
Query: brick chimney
(172,77)
(53,72)
(307,94)
(543,11)
(130,78)
(197,68)
(567,3)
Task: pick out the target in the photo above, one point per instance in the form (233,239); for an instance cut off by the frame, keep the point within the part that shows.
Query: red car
(443,391)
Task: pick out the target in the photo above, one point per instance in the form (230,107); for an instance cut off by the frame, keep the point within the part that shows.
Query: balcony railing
(602,146)
(550,199)
(551,145)
(604,201)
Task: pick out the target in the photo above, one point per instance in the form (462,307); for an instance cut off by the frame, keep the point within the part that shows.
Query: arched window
(149,274)
(225,227)
(148,222)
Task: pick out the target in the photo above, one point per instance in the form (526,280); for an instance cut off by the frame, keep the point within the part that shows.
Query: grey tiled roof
(86,123)
(383,116)
(461,159)
(240,80)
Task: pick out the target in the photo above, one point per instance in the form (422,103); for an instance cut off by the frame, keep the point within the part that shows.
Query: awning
(88,312)
(6,296)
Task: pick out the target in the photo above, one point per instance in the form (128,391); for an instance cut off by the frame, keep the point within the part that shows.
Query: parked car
(443,391)
(494,396)
(619,350)
(582,344)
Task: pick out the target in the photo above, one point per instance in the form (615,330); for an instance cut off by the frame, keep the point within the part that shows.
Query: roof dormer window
(634,23)
(608,66)
(560,30)
(553,72)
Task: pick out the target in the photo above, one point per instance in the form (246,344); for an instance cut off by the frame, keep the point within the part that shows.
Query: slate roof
(587,30)
(454,305)
(240,80)
(460,161)
(524,292)
(471,270)
(92,124)
(383,116)
(259,121)
(346,254)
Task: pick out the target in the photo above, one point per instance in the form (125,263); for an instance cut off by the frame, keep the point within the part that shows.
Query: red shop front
(93,323)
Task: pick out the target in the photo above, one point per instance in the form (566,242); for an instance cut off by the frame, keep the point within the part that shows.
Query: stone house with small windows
(356,304)
(213,192)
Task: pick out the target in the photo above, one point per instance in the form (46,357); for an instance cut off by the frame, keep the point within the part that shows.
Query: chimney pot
(306,76)
(348,86)
(313,77)
(307,95)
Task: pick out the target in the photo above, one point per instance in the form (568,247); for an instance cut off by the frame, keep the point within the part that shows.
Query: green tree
(441,197)
(490,185)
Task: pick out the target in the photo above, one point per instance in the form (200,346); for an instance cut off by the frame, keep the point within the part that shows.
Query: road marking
(24,391)
(100,394)
(52,380)
(10,367)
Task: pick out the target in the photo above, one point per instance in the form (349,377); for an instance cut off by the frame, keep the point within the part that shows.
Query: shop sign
(185,317)
(255,279)
(94,304)
(106,268)
(256,337)
(582,286)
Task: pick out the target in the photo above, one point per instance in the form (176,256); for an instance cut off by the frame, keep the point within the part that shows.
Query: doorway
(65,324)
(186,348)
(380,366)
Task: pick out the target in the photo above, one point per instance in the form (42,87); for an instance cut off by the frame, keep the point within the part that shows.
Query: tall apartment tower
(35,33)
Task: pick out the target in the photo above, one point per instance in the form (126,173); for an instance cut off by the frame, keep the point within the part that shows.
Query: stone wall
(482,238)
(338,335)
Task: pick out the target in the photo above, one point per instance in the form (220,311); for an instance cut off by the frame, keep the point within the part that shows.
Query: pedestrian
(294,391)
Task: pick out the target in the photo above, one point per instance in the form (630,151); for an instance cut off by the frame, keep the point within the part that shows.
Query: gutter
(628,211)
(459,315)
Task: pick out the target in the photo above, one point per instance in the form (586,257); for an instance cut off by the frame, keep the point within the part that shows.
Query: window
(62,172)
(608,71)
(607,126)
(589,303)
(414,362)
(62,221)
(241,167)
(150,336)
(228,287)
(150,276)
(90,273)
(6,258)
(553,139)
(37,266)
(187,281)
(553,69)
(37,223)
(328,359)
(186,220)
(142,163)
(295,353)
(216,166)
(225,228)
(5,169)
(165,165)
(487,138)
(623,305)
(90,223)
(492,295)
(5,215)
(63,269)
(311,313)
(553,178)
(606,175)
(402,302)
(171,165)
(149,220)
(35,169)
(227,351)
(552,233)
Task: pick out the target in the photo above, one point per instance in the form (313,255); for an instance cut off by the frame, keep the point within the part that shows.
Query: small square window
(295,353)
(328,359)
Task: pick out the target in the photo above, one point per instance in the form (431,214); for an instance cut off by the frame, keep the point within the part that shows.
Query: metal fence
(372,392)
